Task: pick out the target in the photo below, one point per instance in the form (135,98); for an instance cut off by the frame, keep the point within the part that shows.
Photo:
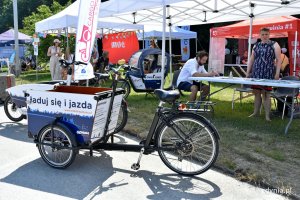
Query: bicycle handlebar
(116,70)
(67,64)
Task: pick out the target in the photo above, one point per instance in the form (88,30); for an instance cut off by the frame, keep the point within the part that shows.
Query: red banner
(120,45)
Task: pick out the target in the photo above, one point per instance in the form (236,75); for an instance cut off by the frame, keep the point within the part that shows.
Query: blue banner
(147,44)
(185,46)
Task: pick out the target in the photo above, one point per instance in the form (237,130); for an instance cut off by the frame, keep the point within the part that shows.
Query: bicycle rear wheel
(189,146)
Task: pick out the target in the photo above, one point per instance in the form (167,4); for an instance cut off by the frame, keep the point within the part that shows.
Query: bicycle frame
(161,116)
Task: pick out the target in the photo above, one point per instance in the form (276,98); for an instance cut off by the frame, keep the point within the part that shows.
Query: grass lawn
(253,149)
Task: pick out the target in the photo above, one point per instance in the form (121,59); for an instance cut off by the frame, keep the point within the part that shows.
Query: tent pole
(163,46)
(170,53)
(196,45)
(16,33)
(170,44)
(143,39)
(67,35)
(250,31)
(295,52)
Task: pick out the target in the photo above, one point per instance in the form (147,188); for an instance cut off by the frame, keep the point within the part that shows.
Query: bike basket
(84,110)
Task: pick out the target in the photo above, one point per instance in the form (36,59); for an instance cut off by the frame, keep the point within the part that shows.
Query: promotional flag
(185,46)
(85,36)
(120,45)
(147,44)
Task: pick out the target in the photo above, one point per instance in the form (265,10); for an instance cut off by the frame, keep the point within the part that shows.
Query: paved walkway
(107,175)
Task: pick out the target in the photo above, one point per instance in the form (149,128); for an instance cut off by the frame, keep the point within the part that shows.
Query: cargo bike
(15,105)
(84,118)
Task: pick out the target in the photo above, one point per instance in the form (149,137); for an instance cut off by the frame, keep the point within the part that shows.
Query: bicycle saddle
(167,96)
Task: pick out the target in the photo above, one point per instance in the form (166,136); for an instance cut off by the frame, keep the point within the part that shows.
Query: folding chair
(283,93)
(174,82)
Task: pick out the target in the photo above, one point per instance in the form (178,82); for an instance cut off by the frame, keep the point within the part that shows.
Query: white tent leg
(170,53)
(196,45)
(250,32)
(16,29)
(170,45)
(163,48)
(67,33)
(250,38)
(143,39)
(295,52)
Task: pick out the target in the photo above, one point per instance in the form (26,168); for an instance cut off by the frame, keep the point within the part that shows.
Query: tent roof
(69,18)
(10,35)
(279,26)
(191,12)
(156,32)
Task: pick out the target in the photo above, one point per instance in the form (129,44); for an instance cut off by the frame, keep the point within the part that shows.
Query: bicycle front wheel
(189,146)
(123,83)
(12,111)
(61,154)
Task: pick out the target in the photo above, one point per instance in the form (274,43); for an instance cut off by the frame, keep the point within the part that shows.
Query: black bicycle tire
(203,121)
(73,144)
(6,101)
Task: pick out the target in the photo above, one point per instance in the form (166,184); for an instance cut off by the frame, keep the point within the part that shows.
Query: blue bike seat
(167,96)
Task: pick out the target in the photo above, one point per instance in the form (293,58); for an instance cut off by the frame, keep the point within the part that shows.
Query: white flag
(185,46)
(85,36)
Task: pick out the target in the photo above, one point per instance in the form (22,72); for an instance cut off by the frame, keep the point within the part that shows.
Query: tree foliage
(25,8)
(42,12)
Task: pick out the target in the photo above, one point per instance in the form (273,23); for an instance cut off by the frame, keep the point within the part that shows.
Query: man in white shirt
(195,67)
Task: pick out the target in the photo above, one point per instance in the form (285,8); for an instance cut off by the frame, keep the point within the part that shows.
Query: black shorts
(186,86)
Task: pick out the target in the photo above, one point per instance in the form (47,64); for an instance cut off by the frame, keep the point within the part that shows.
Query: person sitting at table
(244,58)
(261,66)
(195,67)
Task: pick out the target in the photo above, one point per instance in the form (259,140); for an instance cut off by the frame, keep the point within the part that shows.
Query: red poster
(120,45)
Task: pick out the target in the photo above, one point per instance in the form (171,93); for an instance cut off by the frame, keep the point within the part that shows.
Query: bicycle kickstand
(136,166)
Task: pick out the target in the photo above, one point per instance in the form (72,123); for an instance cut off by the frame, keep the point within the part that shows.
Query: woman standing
(54,52)
(262,66)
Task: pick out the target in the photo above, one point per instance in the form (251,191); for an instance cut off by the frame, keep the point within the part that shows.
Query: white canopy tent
(66,21)
(156,32)
(190,12)
(69,18)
